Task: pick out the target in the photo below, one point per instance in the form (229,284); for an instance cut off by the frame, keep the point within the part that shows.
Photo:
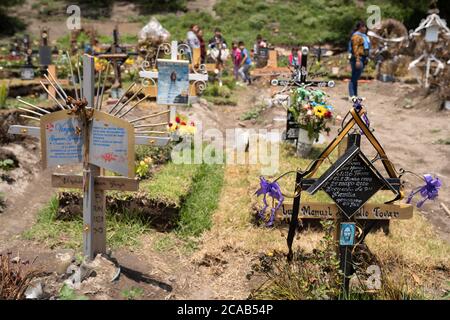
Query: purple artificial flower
(272,189)
(429,191)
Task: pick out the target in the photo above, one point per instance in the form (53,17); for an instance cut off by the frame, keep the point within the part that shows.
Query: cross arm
(192,76)
(36,132)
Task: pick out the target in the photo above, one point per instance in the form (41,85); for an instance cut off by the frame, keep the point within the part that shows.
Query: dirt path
(22,207)
(409,138)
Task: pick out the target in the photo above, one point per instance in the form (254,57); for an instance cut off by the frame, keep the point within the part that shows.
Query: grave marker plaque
(61,140)
(112,144)
(350,181)
(292,127)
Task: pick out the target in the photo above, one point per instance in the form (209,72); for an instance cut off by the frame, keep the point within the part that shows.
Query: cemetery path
(23,206)
(411,137)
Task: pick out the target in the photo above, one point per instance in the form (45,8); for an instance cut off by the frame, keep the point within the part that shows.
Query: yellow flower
(129,61)
(172,127)
(192,130)
(319,111)
(142,163)
(148,160)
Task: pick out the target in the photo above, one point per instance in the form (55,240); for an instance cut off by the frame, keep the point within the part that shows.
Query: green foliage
(159,155)
(122,230)
(67,293)
(172,184)
(132,293)
(3,94)
(291,22)
(161,6)
(6,164)
(196,212)
(221,95)
(253,113)
(143,168)
(313,275)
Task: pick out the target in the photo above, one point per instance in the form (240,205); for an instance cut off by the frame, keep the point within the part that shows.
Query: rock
(34,291)
(203,101)
(407,106)
(104,268)
(78,274)
(242,124)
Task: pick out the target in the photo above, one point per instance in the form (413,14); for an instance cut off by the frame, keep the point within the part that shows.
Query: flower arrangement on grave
(182,126)
(100,64)
(312,112)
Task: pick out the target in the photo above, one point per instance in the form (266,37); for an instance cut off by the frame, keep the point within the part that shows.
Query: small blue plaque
(347,234)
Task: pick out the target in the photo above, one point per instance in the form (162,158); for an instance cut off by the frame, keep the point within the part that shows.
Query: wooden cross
(349,195)
(298,80)
(117,55)
(86,135)
(299,76)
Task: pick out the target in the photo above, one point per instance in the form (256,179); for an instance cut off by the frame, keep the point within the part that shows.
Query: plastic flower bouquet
(182,127)
(312,112)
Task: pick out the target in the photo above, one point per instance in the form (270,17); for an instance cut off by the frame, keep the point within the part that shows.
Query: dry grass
(15,276)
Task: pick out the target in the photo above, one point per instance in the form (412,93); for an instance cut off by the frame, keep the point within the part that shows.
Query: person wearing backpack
(358,47)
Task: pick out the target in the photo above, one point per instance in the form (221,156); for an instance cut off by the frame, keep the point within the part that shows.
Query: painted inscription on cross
(81,133)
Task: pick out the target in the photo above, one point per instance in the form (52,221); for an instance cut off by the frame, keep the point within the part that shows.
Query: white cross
(203,77)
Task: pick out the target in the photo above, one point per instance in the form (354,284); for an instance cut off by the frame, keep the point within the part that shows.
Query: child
(236,56)
(295,58)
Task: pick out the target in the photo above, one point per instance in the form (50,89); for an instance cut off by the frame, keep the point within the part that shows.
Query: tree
(9,25)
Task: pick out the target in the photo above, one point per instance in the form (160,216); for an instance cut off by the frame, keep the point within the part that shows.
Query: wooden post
(342,147)
(51,69)
(94,233)
(273,59)
(345,252)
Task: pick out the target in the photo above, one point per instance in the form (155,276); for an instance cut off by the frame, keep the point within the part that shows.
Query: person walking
(295,58)
(192,38)
(217,39)
(246,62)
(358,47)
(202,46)
(236,56)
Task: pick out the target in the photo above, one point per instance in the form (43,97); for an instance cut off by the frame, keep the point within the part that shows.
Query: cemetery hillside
(225,150)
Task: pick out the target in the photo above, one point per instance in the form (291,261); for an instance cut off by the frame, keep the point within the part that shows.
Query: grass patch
(172,184)
(195,215)
(330,20)
(122,230)
(253,113)
(221,95)
(132,293)
(443,141)
(67,293)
